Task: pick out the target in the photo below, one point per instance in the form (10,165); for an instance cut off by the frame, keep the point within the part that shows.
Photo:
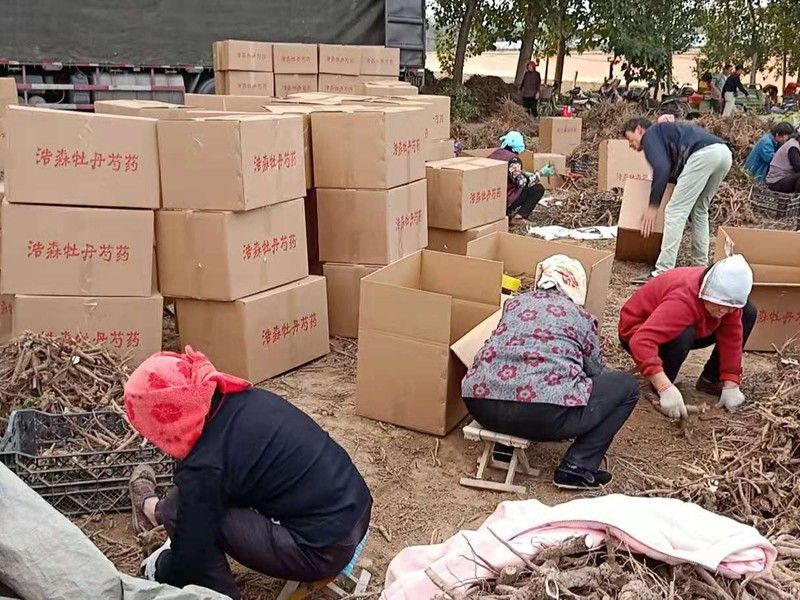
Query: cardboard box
(151,109)
(631,245)
(774,257)
(618,163)
(440,127)
(344,289)
(227,103)
(558,161)
(260,336)
(230,255)
(526,157)
(377,60)
(521,255)
(322,99)
(6,318)
(455,242)
(8,97)
(286,85)
(238,162)
(239,55)
(339,84)
(367,147)
(369,87)
(410,314)
(70,251)
(70,158)
(559,135)
(340,60)
(127,326)
(374,227)
(305,112)
(466,192)
(467,348)
(439,150)
(245,83)
(295,58)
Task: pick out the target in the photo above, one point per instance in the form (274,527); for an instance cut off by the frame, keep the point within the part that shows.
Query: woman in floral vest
(540,375)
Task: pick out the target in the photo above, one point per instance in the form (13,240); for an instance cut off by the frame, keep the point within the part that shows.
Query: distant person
(733,84)
(529,89)
(714,91)
(523,190)
(721,77)
(696,162)
(540,375)
(791,89)
(784,170)
(760,157)
(687,309)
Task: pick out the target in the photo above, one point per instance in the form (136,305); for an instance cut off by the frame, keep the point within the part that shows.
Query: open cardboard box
(774,257)
(521,254)
(631,245)
(411,312)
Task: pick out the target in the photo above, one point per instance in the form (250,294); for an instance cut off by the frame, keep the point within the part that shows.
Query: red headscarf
(168,397)
(532,64)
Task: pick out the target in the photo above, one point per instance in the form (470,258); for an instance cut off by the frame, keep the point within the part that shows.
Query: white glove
(149,563)
(671,403)
(731,398)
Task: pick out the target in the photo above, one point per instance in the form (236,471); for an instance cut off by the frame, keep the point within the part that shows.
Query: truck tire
(206,87)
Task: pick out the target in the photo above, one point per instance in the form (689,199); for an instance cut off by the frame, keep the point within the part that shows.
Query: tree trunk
(463,40)
(562,53)
(785,67)
(753,40)
(528,39)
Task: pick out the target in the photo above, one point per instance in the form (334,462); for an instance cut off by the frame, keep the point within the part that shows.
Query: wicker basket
(774,204)
(41,449)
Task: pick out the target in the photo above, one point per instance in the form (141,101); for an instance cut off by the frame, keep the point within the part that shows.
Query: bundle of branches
(509,116)
(58,375)
(605,121)
(571,570)
(490,91)
(741,132)
(574,208)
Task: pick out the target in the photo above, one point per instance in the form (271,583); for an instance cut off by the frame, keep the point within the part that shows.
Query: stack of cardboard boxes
(8,97)
(232,242)
(77,243)
(466,200)
(369,175)
(296,68)
(340,69)
(243,68)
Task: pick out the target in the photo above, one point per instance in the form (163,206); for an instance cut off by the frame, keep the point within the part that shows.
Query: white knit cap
(728,282)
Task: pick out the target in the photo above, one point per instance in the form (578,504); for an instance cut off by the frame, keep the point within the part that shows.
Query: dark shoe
(706,386)
(642,279)
(142,485)
(570,477)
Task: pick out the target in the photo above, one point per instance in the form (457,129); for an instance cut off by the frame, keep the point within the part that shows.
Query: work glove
(547,171)
(671,403)
(149,563)
(731,398)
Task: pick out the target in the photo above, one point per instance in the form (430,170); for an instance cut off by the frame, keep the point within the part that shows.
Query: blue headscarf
(513,141)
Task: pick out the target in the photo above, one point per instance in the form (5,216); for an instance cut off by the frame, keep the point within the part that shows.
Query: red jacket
(663,308)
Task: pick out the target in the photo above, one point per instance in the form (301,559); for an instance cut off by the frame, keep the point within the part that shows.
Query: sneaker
(141,486)
(642,279)
(706,386)
(570,477)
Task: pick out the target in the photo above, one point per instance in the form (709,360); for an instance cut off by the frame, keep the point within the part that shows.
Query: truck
(70,53)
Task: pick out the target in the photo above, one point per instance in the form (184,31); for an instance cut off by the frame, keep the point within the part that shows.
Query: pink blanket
(669,530)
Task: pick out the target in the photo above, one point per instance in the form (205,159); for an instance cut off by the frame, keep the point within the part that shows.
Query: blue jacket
(667,147)
(760,156)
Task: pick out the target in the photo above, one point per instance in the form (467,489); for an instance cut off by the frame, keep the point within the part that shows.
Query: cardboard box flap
(635,200)
(461,277)
(468,346)
(776,275)
(761,246)
(464,316)
(462,163)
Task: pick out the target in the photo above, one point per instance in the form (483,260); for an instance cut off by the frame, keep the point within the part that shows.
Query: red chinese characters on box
(297,326)
(623,177)
(778,318)
(264,163)
(340,60)
(438,118)
(485,195)
(253,55)
(259,249)
(567,129)
(114,339)
(6,308)
(292,59)
(65,158)
(408,220)
(298,88)
(380,61)
(406,147)
(252,87)
(53,250)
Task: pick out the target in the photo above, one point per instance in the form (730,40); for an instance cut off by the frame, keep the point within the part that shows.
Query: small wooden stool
(333,586)
(474,432)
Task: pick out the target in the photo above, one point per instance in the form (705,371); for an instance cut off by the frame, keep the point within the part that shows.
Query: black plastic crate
(40,448)
(774,204)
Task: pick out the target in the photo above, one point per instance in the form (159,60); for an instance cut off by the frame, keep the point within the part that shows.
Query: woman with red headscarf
(529,89)
(257,479)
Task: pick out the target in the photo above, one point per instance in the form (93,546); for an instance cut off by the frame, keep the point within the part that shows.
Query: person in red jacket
(685,309)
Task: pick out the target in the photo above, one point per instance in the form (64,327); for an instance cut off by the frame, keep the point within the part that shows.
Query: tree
(736,33)
(529,13)
(783,17)
(567,28)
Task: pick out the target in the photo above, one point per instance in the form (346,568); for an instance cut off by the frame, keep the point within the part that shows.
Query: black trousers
(674,353)
(787,185)
(263,545)
(593,427)
(532,106)
(526,202)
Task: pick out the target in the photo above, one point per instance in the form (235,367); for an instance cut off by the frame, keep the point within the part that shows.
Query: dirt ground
(414,477)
